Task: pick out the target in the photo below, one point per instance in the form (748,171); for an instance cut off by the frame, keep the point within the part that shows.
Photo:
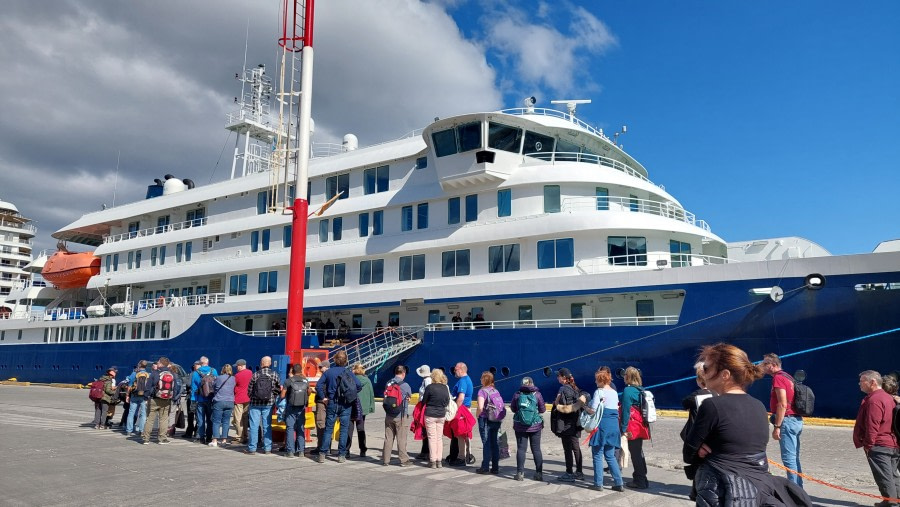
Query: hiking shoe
(566,477)
(439,464)
(579,476)
(405,463)
(320,458)
(520,476)
(634,485)
(163,442)
(595,487)
(470,459)
(342,459)
(482,471)
(458,463)
(432,464)
(619,488)
(538,476)
(145,443)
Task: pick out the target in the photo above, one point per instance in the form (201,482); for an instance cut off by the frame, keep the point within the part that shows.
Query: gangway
(372,351)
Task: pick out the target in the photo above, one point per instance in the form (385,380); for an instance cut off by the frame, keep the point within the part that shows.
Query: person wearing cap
(240,417)
(204,403)
(424,371)
(137,401)
(101,407)
(320,408)
(160,403)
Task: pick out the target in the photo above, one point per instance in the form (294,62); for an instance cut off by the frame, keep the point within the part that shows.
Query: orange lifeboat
(70,270)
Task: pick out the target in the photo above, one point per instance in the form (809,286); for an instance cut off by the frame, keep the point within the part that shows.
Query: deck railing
(649,260)
(150,231)
(605,203)
(656,320)
(375,349)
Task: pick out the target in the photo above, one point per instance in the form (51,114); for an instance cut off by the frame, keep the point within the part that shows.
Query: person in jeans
(335,409)
(240,415)
(203,403)
(606,439)
(295,415)
(637,431)
(264,389)
(222,406)
(436,399)
(490,454)
(874,434)
(397,427)
(788,424)
(158,405)
(528,424)
(101,407)
(137,402)
(191,431)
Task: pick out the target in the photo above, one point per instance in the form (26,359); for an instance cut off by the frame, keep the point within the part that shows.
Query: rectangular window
(421,162)
(130,260)
(337,184)
(453,210)
(136,331)
(471,208)
(502,137)
(576,310)
(627,250)
(375,179)
(153,255)
(633,203)
(237,285)
(681,253)
(108,332)
(422,216)
(179,248)
(291,194)
(162,255)
(323,230)
(551,198)
(254,241)
(434,316)
(137,259)
(268,281)
(187,291)
(195,217)
(333,275)
(602,198)
(525,312)
(337,228)
(504,202)
(306,278)
(164,329)
(266,236)
(116,260)
(455,263)
(378,223)
(202,289)
(287,236)
(150,330)
(262,202)
(133,228)
(412,267)
(406,218)
(556,253)
(108,263)
(538,143)
(444,142)
(363,225)
(644,309)
(469,136)
(503,258)
(371,271)
(394,319)
(188,246)
(162,223)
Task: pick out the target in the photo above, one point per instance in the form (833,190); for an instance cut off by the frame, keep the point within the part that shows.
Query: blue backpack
(527,410)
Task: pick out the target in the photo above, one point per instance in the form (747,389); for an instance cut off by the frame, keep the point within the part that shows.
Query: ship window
(108,263)
(339,184)
(375,179)
(469,136)
(394,319)
(455,263)
(453,210)
(463,138)
(504,202)
(421,162)
(406,218)
(644,309)
(195,217)
(556,253)
(135,331)
(323,230)
(434,316)
(356,321)
(566,151)
(162,256)
(150,330)
(237,285)
(286,235)
(551,199)
(378,223)
(164,329)
(503,258)
(525,312)
(602,198)
(627,250)
(266,236)
(412,267)
(19,337)
(290,194)
(202,289)
(444,142)
(422,216)
(337,228)
(82,333)
(363,225)
(371,271)
(503,137)
(108,332)
(268,282)
(306,278)
(153,256)
(133,227)
(538,143)
(254,241)
(187,291)
(681,253)
(262,202)
(633,203)
(188,246)
(333,275)
(137,259)
(471,208)
(179,248)
(162,223)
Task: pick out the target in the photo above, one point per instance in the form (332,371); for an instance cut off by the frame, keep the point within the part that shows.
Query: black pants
(126,407)
(454,449)
(424,453)
(883,463)
(360,434)
(522,440)
(191,419)
(572,451)
(636,449)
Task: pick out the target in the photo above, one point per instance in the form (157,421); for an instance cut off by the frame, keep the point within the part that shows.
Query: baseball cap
(564,372)
(240,362)
(112,368)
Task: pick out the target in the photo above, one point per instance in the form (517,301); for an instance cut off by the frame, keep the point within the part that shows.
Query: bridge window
(503,258)
(503,137)
(460,139)
(556,253)
(537,143)
(627,250)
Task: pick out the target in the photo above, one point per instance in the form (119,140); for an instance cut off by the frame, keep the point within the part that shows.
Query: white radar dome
(173,185)
(350,142)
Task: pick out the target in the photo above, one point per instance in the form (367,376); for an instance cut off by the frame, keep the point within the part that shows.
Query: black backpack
(262,388)
(298,392)
(346,393)
(896,423)
(804,398)
(207,384)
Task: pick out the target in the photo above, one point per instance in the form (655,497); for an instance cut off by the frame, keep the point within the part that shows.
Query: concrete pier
(52,456)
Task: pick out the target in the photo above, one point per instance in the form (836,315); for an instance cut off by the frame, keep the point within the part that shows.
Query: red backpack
(98,390)
(165,386)
(393,399)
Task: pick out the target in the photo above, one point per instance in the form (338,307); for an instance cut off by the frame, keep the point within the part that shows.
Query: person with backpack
(527,406)
(264,389)
(203,387)
(874,432)
(103,390)
(605,439)
(240,417)
(396,416)
(490,413)
(365,405)
(436,400)
(788,423)
(162,390)
(139,382)
(222,405)
(564,423)
(339,389)
(632,425)
(296,397)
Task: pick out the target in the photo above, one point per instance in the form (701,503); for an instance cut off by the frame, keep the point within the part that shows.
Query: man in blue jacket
(203,403)
(336,407)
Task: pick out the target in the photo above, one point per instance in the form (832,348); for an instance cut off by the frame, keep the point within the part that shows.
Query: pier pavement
(52,456)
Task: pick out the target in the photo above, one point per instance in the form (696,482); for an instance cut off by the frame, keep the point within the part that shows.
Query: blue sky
(765,119)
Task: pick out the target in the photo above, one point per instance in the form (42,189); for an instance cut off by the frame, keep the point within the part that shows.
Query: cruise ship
(516,241)
(16,233)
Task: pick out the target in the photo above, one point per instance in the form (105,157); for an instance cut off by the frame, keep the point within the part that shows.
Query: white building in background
(16,233)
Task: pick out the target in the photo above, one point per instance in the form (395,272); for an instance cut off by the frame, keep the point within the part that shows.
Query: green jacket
(367,395)
(109,389)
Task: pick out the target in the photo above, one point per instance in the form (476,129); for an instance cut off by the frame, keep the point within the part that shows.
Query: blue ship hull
(833,334)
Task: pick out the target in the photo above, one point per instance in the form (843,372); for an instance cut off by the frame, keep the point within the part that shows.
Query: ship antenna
(244,68)
(570,105)
(116,181)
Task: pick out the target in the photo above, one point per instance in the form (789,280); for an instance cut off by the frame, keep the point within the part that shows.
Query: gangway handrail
(373,350)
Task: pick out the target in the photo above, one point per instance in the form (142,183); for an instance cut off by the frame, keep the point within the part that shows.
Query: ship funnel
(189,182)
(168,177)
(350,142)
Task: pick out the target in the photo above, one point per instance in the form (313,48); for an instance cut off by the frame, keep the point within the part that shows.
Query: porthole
(504,371)
(815,281)
(548,371)
(493,370)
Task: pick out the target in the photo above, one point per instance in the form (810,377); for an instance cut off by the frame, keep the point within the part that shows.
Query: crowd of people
(725,436)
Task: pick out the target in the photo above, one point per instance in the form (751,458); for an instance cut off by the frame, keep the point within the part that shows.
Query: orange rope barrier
(834,486)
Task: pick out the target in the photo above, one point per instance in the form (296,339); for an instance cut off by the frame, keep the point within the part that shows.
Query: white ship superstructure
(16,233)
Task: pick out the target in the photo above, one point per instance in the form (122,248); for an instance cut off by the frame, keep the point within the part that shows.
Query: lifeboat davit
(70,270)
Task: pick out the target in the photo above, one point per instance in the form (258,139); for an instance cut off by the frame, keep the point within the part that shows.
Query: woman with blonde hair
(606,439)
(633,426)
(436,399)
(365,405)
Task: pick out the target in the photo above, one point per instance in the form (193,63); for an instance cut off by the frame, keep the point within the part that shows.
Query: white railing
(169,301)
(128,308)
(649,260)
(663,209)
(17,225)
(656,320)
(520,111)
(375,349)
(588,158)
(187,224)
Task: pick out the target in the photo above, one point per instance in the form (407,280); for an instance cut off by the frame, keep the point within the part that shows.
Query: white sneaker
(213,444)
